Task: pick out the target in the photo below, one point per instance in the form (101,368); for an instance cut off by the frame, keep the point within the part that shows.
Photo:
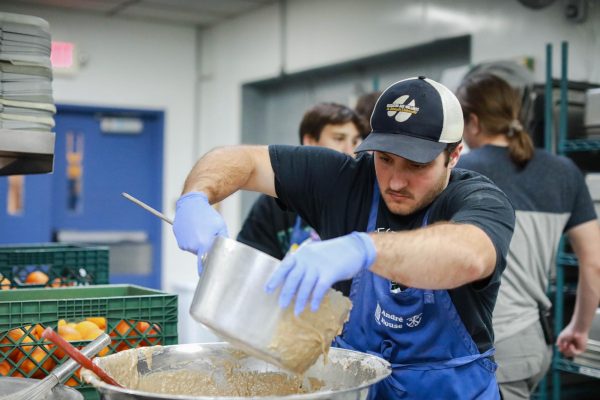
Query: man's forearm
(440,256)
(588,288)
(585,240)
(224,170)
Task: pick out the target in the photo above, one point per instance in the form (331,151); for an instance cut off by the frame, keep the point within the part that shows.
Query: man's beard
(424,202)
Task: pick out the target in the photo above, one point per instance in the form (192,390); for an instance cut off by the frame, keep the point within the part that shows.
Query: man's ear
(455,156)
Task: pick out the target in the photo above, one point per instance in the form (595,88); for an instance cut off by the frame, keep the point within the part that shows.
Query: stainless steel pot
(346,375)
(10,385)
(230,299)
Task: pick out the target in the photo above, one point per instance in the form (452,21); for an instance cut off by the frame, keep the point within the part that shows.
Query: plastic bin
(134,316)
(62,264)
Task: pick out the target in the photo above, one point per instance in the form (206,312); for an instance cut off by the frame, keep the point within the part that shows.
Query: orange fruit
(36,278)
(104,351)
(149,331)
(5,284)
(99,321)
(72,382)
(121,331)
(56,283)
(17,374)
(155,331)
(14,340)
(88,330)
(69,333)
(34,363)
(142,326)
(37,331)
(4,368)
(92,334)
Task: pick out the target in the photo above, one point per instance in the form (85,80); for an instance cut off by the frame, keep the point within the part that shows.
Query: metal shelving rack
(564,260)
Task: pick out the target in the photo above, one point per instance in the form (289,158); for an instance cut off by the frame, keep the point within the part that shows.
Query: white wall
(324,32)
(134,64)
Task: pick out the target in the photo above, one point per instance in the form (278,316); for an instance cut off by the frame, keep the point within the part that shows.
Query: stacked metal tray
(26,103)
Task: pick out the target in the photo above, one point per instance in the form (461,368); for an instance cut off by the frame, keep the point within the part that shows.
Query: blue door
(99,153)
(25,204)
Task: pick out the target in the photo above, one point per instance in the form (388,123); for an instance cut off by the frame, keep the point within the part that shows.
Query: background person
(269,228)
(425,284)
(364,107)
(550,198)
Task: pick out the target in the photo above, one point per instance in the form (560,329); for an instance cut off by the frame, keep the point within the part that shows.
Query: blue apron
(421,334)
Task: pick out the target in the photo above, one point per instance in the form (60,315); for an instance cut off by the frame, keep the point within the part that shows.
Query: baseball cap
(415,118)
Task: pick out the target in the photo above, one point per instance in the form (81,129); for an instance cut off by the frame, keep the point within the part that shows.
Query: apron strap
(372,224)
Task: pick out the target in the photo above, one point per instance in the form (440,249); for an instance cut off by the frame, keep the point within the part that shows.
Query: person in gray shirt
(550,198)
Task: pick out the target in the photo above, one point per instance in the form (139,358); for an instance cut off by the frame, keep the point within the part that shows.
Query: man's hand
(197,224)
(571,342)
(313,268)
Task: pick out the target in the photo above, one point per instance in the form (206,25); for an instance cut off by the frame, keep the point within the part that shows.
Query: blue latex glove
(197,224)
(315,267)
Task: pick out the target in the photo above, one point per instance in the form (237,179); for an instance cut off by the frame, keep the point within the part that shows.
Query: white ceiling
(192,12)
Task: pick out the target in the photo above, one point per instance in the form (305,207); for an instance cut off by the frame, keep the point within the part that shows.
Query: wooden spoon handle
(78,356)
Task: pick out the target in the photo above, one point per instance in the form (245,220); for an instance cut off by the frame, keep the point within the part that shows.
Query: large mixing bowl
(346,375)
(231,300)
(10,385)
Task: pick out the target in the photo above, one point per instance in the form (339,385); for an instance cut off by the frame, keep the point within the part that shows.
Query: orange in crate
(17,337)
(72,382)
(35,362)
(99,321)
(131,333)
(122,330)
(36,278)
(5,284)
(56,283)
(88,330)
(4,368)
(37,331)
(150,332)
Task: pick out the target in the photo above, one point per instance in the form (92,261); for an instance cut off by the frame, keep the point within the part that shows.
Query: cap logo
(401,111)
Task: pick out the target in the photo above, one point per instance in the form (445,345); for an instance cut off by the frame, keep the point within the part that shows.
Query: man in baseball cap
(423,243)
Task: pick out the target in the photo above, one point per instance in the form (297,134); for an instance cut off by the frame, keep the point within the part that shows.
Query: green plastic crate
(123,306)
(64,264)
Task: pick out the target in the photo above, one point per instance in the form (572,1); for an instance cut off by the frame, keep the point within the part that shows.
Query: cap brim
(409,147)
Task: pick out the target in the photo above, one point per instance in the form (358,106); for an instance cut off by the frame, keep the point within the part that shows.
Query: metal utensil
(76,355)
(9,386)
(347,375)
(39,390)
(147,208)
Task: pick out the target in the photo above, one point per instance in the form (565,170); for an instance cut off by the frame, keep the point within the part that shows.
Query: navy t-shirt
(268,228)
(333,193)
